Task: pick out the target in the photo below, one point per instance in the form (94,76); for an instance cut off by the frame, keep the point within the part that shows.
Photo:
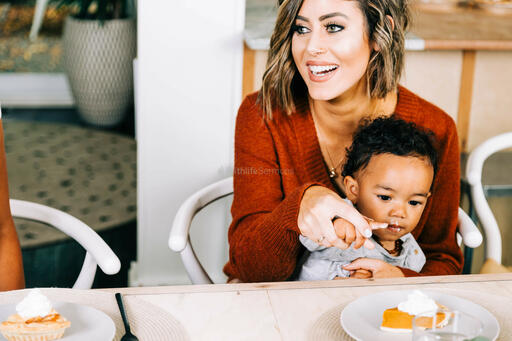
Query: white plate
(86,323)
(361,318)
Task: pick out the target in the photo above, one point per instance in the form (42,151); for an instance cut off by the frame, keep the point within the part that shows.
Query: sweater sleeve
(437,238)
(263,236)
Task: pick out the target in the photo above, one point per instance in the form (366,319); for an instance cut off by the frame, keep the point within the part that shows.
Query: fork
(128,336)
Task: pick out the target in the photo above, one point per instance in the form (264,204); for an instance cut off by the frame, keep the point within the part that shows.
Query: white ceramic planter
(98,61)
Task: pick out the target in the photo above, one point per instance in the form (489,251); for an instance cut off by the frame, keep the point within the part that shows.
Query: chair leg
(38,19)
(468,251)
(468,260)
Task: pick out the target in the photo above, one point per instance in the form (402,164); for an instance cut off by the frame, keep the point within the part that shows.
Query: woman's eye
(333,28)
(384,197)
(300,29)
(415,203)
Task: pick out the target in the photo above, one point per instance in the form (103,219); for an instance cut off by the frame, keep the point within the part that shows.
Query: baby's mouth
(394,228)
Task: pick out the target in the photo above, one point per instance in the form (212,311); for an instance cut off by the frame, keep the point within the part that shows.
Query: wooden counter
(433,27)
(462,28)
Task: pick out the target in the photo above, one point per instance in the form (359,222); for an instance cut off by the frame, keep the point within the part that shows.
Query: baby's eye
(333,28)
(383,197)
(415,203)
(300,29)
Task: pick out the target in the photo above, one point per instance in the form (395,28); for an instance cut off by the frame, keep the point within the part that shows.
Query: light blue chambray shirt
(325,263)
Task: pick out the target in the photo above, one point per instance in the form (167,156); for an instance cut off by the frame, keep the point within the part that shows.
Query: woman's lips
(321,73)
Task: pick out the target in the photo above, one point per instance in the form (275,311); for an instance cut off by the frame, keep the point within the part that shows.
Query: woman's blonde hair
(282,81)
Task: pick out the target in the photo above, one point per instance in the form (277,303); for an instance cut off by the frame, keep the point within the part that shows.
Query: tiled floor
(58,264)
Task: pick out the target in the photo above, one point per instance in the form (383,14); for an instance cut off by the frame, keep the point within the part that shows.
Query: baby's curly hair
(389,135)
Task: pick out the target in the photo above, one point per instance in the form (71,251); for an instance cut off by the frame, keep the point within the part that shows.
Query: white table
(270,311)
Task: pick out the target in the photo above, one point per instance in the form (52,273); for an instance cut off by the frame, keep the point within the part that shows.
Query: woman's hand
(329,221)
(377,267)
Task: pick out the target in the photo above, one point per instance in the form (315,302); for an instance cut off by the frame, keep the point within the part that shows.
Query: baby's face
(394,189)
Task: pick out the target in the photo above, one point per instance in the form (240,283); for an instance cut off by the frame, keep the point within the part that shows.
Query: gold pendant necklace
(332,173)
(332,170)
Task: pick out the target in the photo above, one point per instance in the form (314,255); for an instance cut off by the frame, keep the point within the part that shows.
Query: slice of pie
(397,321)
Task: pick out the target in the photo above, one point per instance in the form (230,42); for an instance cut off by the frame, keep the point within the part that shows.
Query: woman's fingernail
(368,233)
(379,226)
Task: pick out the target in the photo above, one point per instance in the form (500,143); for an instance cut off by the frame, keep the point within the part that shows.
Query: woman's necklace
(332,171)
(333,166)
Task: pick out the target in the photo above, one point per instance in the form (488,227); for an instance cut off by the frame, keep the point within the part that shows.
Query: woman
(11,265)
(331,63)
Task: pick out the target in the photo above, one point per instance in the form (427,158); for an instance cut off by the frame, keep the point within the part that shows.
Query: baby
(388,175)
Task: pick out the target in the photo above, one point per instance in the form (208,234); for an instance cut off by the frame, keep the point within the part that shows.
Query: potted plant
(99,45)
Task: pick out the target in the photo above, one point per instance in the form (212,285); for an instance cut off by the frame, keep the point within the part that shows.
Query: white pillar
(188,84)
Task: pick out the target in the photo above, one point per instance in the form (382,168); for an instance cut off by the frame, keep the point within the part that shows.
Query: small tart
(49,327)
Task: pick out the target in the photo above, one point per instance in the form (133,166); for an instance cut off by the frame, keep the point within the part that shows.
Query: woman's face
(330,47)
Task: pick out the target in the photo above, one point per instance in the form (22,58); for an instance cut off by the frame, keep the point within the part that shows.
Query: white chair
(474,168)
(179,240)
(97,251)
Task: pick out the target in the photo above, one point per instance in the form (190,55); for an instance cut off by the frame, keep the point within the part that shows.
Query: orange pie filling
(34,320)
(52,321)
(398,321)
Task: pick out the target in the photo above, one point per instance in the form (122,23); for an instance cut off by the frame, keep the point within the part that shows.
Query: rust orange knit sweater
(277,160)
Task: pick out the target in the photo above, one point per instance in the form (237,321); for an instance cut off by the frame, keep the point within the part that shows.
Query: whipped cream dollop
(417,303)
(33,305)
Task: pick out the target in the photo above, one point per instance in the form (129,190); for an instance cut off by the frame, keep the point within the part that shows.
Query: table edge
(155,290)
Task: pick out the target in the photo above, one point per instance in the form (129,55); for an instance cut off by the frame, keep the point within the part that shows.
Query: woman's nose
(315,46)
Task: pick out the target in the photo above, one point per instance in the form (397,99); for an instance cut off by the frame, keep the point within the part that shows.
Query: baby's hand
(361,273)
(377,267)
(349,234)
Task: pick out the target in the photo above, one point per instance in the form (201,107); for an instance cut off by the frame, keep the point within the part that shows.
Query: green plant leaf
(104,9)
(100,11)
(84,7)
